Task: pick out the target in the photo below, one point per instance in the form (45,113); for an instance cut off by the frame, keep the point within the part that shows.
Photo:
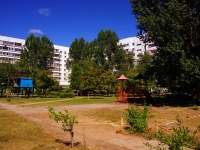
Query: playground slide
(147,94)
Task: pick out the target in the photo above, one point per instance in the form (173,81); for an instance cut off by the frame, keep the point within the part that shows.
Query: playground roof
(122,77)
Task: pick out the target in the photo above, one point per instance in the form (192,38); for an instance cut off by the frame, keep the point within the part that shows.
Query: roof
(122,77)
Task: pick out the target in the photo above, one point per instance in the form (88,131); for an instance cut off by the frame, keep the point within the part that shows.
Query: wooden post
(122,124)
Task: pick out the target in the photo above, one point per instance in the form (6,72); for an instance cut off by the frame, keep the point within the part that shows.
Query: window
(139,49)
(127,50)
(133,49)
(133,44)
(18,44)
(138,44)
(125,45)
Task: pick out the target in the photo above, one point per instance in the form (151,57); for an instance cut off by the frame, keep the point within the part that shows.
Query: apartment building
(10,50)
(137,46)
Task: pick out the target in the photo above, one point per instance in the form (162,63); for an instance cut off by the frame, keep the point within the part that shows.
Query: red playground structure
(121,92)
(124,91)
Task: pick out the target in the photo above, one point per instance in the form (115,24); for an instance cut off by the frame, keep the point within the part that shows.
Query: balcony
(56,51)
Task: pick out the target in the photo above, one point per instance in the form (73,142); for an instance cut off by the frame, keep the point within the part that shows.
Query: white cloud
(44,11)
(35,31)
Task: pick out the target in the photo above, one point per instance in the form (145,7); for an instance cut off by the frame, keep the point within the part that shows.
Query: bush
(66,95)
(195,107)
(137,119)
(180,137)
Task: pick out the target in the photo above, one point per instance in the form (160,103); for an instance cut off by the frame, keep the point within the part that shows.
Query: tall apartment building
(137,46)
(10,50)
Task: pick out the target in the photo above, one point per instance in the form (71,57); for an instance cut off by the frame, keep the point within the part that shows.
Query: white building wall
(63,72)
(137,46)
(10,50)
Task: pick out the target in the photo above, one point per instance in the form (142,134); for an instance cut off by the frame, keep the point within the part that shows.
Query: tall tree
(174,26)
(144,63)
(37,53)
(6,78)
(76,51)
(77,71)
(44,80)
(106,49)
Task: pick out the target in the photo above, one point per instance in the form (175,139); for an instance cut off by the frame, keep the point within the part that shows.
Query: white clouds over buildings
(44,11)
(35,31)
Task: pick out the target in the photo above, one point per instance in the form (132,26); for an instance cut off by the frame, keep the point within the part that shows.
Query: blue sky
(64,20)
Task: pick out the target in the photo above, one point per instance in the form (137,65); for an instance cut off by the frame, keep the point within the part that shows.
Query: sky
(64,20)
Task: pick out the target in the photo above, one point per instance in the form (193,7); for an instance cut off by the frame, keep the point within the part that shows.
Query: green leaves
(173,26)
(37,53)
(137,119)
(67,119)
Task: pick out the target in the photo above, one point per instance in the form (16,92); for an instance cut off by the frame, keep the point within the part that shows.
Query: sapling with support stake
(67,120)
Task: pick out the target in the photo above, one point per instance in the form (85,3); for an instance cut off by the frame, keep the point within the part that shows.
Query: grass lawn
(36,102)
(17,133)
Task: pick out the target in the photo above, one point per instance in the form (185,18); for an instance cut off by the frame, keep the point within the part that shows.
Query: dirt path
(97,135)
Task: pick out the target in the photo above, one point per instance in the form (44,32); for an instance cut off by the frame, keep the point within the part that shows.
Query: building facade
(137,46)
(10,51)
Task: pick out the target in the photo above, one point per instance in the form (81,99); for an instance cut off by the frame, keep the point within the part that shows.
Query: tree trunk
(72,136)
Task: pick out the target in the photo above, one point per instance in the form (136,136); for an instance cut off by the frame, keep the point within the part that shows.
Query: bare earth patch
(99,133)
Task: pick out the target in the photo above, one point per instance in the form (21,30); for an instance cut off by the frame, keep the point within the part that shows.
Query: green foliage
(75,52)
(143,63)
(66,95)
(180,137)
(6,76)
(103,51)
(95,78)
(173,26)
(37,53)
(66,118)
(137,119)
(45,81)
(195,107)
(197,146)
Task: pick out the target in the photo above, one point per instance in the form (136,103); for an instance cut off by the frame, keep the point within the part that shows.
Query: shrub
(181,137)
(195,107)
(66,95)
(67,120)
(137,119)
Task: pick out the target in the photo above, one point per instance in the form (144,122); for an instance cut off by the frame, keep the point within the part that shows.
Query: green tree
(91,79)
(77,70)
(108,81)
(6,77)
(106,49)
(144,63)
(44,80)
(174,27)
(76,52)
(75,76)
(67,120)
(37,53)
